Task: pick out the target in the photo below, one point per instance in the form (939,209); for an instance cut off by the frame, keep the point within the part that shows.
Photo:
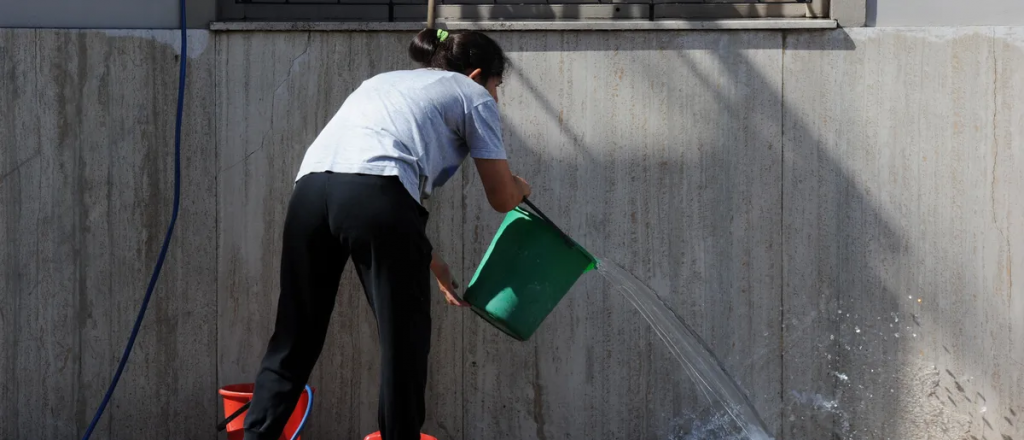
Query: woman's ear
(476,75)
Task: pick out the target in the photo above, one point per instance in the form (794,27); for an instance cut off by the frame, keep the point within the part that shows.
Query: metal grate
(488,10)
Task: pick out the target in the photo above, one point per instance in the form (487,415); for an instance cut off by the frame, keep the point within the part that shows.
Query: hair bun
(423,46)
(458,52)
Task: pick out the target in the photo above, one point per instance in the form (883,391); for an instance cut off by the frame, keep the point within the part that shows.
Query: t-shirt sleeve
(483,132)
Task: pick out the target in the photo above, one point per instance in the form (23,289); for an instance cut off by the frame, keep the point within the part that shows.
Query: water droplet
(840,311)
(831,337)
(915,335)
(897,335)
(983,409)
(910,297)
(856,329)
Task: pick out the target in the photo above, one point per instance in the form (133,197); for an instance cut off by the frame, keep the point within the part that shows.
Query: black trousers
(375,221)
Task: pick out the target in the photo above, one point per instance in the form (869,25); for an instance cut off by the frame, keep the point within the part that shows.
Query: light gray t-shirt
(418,125)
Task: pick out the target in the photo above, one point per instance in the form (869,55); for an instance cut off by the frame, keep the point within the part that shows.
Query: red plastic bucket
(235,396)
(376,436)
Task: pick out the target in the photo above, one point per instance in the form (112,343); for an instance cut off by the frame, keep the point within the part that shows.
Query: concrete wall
(835,212)
(104,14)
(945,13)
(85,192)
(902,217)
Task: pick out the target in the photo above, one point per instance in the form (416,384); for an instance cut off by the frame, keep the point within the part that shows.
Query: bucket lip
(524,213)
(376,435)
(243,390)
(237,390)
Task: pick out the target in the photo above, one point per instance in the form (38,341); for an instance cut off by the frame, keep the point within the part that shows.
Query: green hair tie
(442,35)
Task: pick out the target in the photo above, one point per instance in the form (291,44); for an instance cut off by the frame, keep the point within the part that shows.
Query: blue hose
(170,229)
(305,416)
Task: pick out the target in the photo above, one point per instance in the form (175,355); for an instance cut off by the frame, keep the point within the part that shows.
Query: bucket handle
(540,214)
(223,425)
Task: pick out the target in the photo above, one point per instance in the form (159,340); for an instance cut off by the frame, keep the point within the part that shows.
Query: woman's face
(491,84)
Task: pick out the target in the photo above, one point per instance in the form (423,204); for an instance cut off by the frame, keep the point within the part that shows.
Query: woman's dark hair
(459,52)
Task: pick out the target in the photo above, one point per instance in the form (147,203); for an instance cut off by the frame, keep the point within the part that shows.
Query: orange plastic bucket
(235,396)
(376,436)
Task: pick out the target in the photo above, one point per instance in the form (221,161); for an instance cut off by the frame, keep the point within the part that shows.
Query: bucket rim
(237,390)
(532,216)
(243,390)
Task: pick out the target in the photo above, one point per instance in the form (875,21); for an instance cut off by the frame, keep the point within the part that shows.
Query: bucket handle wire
(223,425)
(540,214)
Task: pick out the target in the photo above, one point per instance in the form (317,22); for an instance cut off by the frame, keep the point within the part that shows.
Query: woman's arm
(504,190)
(446,281)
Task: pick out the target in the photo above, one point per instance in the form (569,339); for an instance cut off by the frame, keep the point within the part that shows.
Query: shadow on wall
(701,181)
(673,146)
(674,201)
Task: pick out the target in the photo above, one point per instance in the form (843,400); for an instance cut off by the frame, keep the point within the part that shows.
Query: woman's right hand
(524,187)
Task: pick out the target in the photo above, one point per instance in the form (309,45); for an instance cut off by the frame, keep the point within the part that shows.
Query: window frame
(405,11)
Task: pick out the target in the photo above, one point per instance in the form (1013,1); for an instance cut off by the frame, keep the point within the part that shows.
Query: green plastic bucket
(527,270)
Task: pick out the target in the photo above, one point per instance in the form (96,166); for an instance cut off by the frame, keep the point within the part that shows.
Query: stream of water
(690,350)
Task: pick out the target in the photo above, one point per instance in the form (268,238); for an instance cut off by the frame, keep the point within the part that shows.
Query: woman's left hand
(445,282)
